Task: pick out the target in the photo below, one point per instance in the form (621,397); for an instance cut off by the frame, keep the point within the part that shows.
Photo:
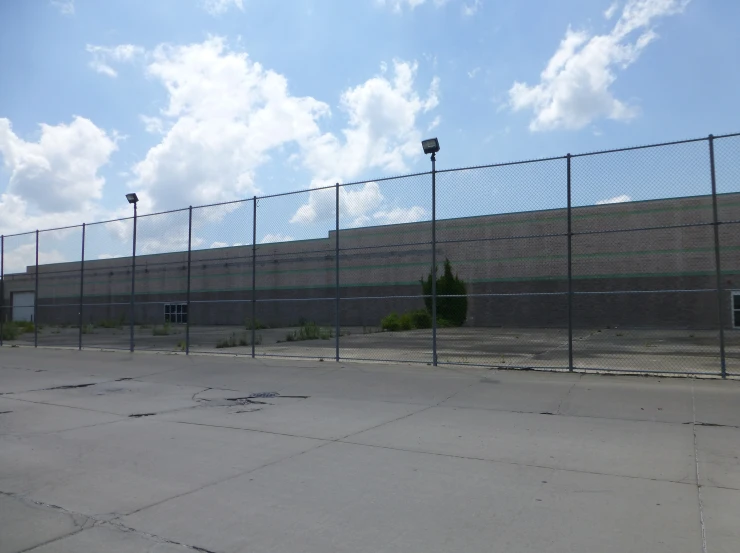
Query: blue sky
(199,101)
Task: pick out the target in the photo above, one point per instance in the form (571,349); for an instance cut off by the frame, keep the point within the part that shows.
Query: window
(176,313)
(736,309)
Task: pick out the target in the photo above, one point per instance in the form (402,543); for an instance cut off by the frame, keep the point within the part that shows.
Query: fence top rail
(397,177)
(27,233)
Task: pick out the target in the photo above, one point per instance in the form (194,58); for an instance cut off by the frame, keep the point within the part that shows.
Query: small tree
(451,309)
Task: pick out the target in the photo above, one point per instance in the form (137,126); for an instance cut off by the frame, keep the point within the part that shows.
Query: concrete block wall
(515,253)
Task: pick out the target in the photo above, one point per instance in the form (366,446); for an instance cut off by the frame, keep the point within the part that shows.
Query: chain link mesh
(642,292)
(643,261)
(727,169)
(60,252)
(106,296)
(221,277)
(510,251)
(295,292)
(161,310)
(385,243)
(19,263)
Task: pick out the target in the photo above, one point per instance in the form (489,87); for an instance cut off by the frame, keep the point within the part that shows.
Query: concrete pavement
(105,451)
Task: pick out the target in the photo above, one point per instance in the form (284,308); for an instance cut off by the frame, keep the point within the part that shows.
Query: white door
(23,306)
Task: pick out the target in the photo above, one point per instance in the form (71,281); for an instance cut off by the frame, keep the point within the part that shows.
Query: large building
(515,266)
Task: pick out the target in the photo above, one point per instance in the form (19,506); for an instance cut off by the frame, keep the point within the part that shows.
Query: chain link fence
(625,260)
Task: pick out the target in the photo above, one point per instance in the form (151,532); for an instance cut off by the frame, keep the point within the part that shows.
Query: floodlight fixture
(132,198)
(431,146)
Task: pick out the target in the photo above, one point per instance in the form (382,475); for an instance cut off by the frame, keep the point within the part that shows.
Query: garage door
(23,306)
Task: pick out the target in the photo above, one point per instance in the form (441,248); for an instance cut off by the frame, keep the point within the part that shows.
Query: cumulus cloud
(103,56)
(54,181)
(615,200)
(574,88)
(225,113)
(218,7)
(611,10)
(400,215)
(18,258)
(276,237)
(382,134)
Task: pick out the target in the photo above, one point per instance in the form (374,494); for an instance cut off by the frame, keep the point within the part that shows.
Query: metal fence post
(190,247)
(133,287)
(717,259)
(254,272)
(82,291)
(434,259)
(336,272)
(570,269)
(36,297)
(2,286)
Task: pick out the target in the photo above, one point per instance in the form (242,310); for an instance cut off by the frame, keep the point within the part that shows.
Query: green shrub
(309,331)
(444,323)
(421,319)
(88,328)
(233,341)
(113,323)
(164,330)
(406,321)
(10,331)
(391,322)
(454,310)
(411,320)
(24,327)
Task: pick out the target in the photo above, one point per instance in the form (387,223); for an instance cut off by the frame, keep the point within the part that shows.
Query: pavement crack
(69,387)
(711,424)
(140,415)
(156,538)
(562,399)
(194,397)
(83,522)
(698,480)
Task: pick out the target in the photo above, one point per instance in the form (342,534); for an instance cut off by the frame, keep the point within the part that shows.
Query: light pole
(132,199)
(431,146)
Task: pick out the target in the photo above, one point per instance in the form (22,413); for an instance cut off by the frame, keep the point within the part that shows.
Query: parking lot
(108,451)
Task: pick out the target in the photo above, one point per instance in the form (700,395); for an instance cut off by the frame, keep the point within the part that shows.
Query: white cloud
(471,9)
(17,259)
(153,125)
(615,200)
(53,182)
(225,114)
(218,7)
(219,245)
(65,7)
(401,215)
(575,86)
(398,5)
(102,56)
(382,133)
(473,72)
(611,10)
(108,256)
(435,123)
(276,237)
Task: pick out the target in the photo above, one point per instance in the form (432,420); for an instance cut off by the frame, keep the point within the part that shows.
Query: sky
(192,102)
